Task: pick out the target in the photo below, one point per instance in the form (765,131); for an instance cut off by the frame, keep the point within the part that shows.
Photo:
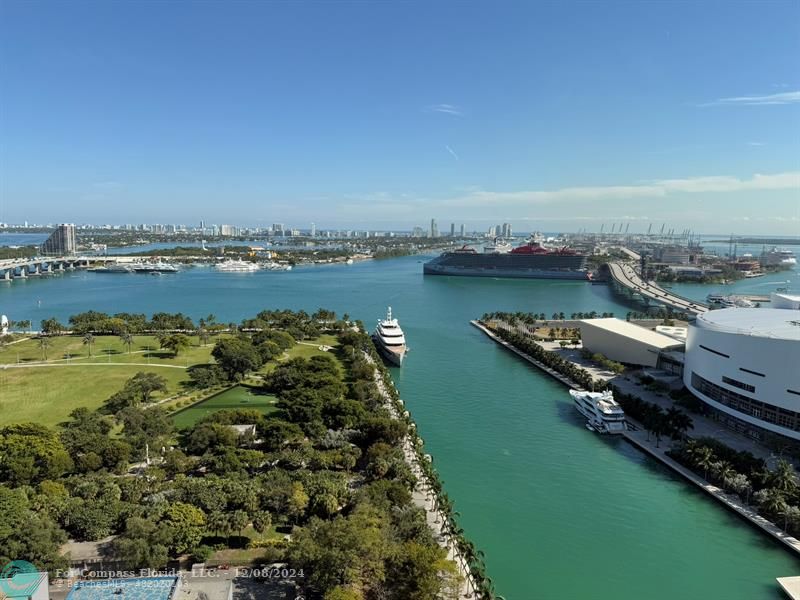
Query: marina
(512,450)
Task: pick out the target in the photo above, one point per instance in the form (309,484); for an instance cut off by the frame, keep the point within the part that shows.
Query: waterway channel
(559,512)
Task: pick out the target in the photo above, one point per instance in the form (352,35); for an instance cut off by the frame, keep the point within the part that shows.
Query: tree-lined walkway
(424,497)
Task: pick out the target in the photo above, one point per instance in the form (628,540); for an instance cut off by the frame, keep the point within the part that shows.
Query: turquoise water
(559,512)
(151,588)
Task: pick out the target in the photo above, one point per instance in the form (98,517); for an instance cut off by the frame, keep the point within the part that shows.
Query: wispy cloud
(653,189)
(756,144)
(449,109)
(769,99)
(451,151)
(482,203)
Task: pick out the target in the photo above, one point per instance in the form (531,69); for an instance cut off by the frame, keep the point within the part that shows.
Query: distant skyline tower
(452,230)
(313,230)
(61,242)
(434,229)
(462,230)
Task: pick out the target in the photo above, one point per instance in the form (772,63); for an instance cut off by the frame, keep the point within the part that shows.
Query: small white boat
(602,412)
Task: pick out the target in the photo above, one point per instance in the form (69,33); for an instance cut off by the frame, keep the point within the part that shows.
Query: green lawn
(47,395)
(72,378)
(239,396)
(307,349)
(69,348)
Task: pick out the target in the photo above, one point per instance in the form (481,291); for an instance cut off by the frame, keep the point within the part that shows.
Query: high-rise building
(62,241)
(506,230)
(462,230)
(313,230)
(277,228)
(452,230)
(227,230)
(434,232)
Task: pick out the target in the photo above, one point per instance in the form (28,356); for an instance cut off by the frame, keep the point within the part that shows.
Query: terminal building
(744,363)
(627,343)
(783,300)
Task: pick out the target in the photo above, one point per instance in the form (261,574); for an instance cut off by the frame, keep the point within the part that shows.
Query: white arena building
(745,363)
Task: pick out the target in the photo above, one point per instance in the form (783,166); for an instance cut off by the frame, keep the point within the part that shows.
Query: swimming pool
(143,588)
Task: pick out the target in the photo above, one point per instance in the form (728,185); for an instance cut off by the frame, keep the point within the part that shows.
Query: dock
(790,585)
(638,438)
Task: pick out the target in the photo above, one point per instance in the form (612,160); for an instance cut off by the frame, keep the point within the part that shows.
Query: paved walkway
(702,428)
(424,497)
(89,364)
(628,383)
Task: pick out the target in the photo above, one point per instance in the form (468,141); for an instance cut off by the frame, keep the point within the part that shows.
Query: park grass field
(307,349)
(47,394)
(47,391)
(70,348)
(239,396)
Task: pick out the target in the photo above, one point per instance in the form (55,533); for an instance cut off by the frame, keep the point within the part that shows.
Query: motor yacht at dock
(390,340)
(602,412)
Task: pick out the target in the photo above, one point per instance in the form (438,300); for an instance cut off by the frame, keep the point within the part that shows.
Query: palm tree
(127,340)
(784,477)
(703,458)
(44,344)
(203,335)
(88,341)
(725,473)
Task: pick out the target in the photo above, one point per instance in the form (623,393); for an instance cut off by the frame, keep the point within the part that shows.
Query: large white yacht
(154,267)
(389,339)
(602,412)
(237,266)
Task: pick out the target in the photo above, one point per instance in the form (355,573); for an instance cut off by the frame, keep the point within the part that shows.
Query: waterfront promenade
(424,497)
(702,428)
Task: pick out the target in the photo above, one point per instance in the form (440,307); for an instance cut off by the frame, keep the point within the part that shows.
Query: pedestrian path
(424,497)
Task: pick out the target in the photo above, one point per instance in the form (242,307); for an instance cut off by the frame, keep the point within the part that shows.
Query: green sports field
(240,396)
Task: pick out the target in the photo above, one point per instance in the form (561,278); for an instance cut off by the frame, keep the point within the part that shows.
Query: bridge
(625,279)
(20,268)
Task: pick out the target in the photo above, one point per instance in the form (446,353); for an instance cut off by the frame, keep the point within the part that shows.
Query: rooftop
(641,334)
(791,297)
(760,322)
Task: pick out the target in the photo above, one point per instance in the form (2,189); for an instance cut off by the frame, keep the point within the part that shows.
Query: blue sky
(554,116)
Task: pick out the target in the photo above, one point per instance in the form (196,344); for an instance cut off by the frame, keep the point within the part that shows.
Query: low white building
(781,300)
(625,342)
(745,364)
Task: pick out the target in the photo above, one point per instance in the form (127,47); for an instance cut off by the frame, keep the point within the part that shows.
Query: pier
(639,439)
(624,279)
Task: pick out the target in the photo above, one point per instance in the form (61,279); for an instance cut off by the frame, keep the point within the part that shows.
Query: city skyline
(684,115)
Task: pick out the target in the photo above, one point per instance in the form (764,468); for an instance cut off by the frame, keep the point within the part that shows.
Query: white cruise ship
(389,339)
(237,266)
(602,412)
(779,257)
